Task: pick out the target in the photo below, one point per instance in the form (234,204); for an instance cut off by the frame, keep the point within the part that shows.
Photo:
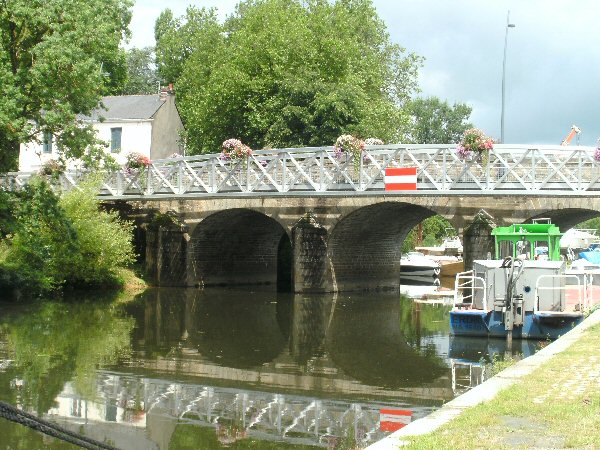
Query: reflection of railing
(466,375)
(231,412)
(513,170)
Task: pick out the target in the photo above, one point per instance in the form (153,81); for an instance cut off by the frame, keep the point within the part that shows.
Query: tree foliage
(58,242)
(437,122)
(57,58)
(434,230)
(592,224)
(141,72)
(285,73)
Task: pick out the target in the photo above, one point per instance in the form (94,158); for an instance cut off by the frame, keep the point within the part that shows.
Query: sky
(552,77)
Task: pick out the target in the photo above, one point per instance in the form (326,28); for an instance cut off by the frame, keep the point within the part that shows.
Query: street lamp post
(508,25)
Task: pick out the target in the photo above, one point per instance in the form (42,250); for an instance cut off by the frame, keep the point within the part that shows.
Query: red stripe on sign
(401,187)
(390,426)
(396,412)
(394,419)
(394,171)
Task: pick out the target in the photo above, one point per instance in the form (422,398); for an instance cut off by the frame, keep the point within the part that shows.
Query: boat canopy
(527,238)
(591,256)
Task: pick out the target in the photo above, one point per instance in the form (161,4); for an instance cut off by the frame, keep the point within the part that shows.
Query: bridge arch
(239,247)
(567,218)
(365,246)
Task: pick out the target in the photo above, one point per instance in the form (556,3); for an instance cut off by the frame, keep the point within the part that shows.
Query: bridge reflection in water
(216,366)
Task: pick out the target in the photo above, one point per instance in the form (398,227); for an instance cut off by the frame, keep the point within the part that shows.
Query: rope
(13,414)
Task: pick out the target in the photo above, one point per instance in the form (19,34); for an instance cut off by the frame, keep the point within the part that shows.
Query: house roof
(127,107)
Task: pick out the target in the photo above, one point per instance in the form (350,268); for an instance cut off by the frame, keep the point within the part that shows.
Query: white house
(147,124)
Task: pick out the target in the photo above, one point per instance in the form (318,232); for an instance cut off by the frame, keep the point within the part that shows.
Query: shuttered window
(115,139)
(47,145)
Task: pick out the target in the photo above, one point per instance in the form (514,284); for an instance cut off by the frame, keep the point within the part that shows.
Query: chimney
(166,91)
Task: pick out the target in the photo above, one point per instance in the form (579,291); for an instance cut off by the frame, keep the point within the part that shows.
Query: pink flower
(473,141)
(137,160)
(235,149)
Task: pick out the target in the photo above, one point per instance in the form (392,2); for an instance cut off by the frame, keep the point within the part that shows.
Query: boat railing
(582,300)
(466,285)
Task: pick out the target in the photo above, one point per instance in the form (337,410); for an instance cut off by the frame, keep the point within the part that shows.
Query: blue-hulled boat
(518,294)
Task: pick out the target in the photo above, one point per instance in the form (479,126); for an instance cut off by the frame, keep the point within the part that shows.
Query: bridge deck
(506,170)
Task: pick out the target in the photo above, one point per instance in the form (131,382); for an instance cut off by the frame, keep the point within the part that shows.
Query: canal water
(218,368)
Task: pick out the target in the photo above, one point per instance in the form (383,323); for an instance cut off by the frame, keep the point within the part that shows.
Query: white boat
(587,267)
(416,264)
(576,240)
(452,245)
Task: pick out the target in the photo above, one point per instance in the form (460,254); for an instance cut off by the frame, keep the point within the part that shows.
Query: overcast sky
(552,66)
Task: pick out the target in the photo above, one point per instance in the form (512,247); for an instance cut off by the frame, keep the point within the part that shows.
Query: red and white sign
(394,419)
(400,179)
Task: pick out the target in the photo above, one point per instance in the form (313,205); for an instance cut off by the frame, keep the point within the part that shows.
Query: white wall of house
(136,136)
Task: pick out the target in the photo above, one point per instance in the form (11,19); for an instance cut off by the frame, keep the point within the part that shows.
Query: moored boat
(416,264)
(518,294)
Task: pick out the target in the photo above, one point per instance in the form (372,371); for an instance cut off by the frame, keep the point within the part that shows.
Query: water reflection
(204,368)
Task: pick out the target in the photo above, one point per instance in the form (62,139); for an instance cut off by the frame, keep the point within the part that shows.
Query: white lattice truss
(506,169)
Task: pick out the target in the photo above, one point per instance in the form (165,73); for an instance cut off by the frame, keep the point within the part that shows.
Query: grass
(497,365)
(557,406)
(132,283)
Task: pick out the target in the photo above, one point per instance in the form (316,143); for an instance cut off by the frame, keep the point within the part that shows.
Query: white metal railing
(465,286)
(563,287)
(306,171)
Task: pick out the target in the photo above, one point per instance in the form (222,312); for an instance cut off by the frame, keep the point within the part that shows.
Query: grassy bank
(557,406)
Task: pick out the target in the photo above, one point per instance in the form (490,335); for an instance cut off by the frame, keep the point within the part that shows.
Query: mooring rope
(13,414)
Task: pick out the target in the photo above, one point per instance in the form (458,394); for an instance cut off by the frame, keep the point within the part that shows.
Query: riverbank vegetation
(49,243)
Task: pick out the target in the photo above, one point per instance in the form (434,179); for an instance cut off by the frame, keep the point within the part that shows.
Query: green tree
(591,224)
(57,58)
(61,241)
(35,257)
(286,73)
(198,32)
(104,242)
(435,228)
(141,72)
(436,122)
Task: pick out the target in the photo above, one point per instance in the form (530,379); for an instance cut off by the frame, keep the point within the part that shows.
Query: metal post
(508,25)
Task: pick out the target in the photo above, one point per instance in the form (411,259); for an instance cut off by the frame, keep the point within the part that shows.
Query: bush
(35,257)
(62,242)
(104,241)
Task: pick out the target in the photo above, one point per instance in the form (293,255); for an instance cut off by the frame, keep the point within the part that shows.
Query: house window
(115,139)
(47,145)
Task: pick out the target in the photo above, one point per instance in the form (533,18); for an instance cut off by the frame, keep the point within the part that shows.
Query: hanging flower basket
(347,144)
(52,167)
(136,161)
(234,150)
(597,154)
(474,145)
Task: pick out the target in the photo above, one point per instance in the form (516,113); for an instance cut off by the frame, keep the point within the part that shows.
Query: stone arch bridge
(325,222)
